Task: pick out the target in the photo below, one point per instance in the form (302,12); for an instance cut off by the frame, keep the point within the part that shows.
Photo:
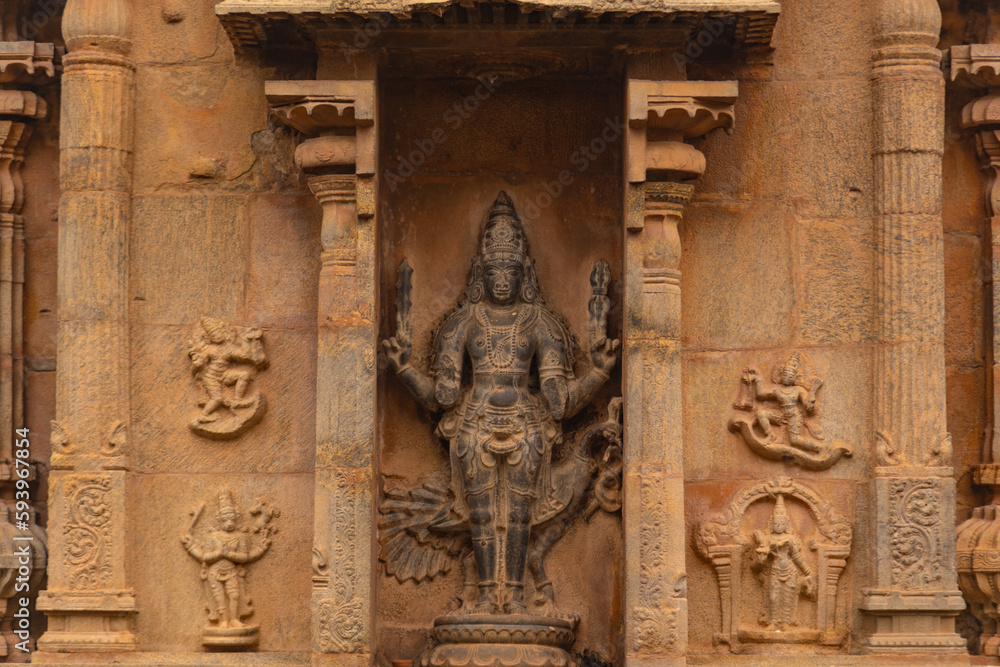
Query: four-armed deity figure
(782,569)
(224,552)
(502,425)
(791,402)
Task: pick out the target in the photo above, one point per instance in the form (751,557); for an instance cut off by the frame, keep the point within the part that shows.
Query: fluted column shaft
(89,602)
(914,598)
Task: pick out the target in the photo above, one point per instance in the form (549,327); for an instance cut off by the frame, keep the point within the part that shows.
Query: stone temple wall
(216,204)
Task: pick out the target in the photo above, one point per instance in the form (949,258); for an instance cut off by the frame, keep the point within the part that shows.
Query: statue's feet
(515,607)
(206,419)
(545,606)
(487,601)
(483,608)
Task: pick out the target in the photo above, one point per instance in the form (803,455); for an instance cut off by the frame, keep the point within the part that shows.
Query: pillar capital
(338,116)
(662,115)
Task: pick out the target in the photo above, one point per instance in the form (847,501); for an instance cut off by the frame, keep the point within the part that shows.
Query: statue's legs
(484,547)
(517,550)
(240,380)
(522,489)
(233,593)
(219,598)
(773,602)
(796,438)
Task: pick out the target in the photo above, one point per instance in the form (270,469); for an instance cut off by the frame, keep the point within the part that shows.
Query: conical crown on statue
(227,506)
(503,238)
(779,515)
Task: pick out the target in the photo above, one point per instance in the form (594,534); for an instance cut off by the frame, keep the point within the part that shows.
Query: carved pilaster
(661,116)
(912,613)
(978,66)
(340,164)
(23,66)
(89,602)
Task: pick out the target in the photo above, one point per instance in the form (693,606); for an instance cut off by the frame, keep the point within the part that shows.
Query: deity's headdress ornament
(503,238)
(793,363)
(779,513)
(213,325)
(227,506)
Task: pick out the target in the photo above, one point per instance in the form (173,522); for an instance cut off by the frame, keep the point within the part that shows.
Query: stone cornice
(255,24)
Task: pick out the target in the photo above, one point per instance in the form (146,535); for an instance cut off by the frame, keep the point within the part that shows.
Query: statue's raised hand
(604,355)
(397,351)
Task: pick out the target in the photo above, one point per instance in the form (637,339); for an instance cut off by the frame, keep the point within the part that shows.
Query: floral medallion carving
(225,362)
(781,421)
(765,572)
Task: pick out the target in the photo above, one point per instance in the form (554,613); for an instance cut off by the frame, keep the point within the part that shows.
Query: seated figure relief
(507,501)
(783,419)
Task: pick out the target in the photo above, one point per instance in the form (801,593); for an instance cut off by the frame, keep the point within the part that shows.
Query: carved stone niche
(778,550)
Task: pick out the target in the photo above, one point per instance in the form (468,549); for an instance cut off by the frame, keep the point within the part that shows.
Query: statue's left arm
(564,393)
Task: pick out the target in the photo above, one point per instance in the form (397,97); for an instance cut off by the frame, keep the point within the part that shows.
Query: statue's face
(216,336)
(503,281)
(780,525)
(228,522)
(787,376)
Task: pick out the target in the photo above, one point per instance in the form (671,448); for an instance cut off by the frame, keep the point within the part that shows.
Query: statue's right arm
(421,385)
(760,392)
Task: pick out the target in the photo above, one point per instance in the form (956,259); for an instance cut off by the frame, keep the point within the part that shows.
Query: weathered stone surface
(188,137)
(281,442)
(843,220)
(215,280)
(278,584)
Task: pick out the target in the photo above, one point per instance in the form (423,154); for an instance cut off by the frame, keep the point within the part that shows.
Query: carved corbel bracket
(26,62)
(339,155)
(662,116)
(975,65)
(338,116)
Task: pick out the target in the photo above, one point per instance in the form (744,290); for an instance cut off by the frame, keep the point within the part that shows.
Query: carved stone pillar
(89,602)
(340,162)
(977,553)
(661,115)
(915,597)
(23,64)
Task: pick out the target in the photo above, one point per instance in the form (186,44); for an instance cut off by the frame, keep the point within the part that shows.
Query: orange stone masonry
(515,333)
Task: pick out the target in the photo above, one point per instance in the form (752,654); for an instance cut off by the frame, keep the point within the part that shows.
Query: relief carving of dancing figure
(782,569)
(789,405)
(225,363)
(507,501)
(224,552)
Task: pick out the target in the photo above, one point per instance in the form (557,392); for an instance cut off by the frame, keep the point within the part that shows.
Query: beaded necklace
(502,356)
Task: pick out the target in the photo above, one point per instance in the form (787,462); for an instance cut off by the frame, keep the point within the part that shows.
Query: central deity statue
(501,419)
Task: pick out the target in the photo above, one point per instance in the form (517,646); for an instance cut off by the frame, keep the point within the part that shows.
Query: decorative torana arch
(721,540)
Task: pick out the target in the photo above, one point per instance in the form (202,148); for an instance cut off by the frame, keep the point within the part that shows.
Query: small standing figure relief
(782,570)
(796,409)
(225,363)
(224,553)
